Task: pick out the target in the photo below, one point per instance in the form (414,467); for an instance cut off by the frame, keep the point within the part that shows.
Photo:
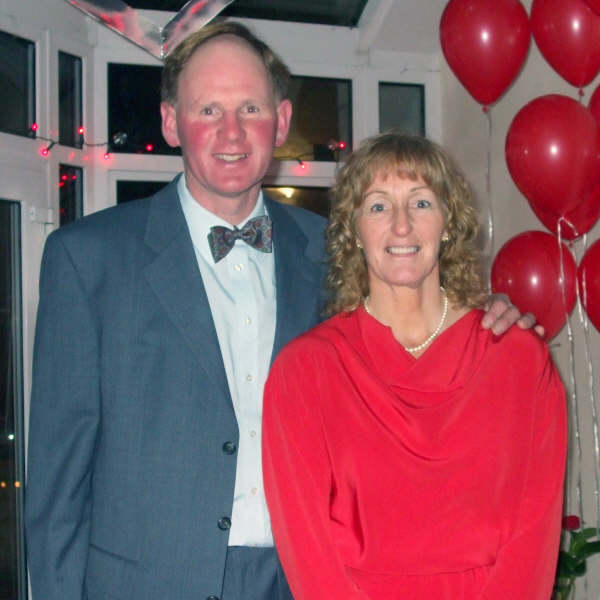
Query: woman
(408,453)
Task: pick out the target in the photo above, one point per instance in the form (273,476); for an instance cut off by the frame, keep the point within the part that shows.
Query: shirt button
(238,267)
(253,433)
(254,491)
(229,447)
(249,377)
(248,320)
(224,523)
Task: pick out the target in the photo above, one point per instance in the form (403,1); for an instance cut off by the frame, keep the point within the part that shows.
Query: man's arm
(64,422)
(501,314)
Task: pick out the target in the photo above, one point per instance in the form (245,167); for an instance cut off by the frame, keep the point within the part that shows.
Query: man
(153,345)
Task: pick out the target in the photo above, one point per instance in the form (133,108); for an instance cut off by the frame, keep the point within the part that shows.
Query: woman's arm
(526,564)
(298,483)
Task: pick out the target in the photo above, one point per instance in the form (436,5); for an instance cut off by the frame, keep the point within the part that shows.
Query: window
(311,198)
(70,100)
(17,73)
(134,110)
(13,579)
(70,183)
(402,107)
(133,190)
(321,127)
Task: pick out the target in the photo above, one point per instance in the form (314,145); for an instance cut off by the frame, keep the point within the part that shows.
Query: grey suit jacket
(128,471)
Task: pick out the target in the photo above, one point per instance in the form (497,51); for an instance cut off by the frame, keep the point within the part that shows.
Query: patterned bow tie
(256,232)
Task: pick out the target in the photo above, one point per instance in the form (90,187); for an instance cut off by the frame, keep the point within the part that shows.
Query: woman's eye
(423,203)
(377,207)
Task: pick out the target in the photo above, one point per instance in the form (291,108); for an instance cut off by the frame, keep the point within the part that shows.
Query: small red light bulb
(342,145)
(149,147)
(81,130)
(34,127)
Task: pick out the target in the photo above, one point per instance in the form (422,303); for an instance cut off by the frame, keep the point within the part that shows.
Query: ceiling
(332,12)
(397,25)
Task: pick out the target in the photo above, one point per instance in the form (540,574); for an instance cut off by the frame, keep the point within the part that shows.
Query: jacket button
(212,598)
(224,523)
(229,447)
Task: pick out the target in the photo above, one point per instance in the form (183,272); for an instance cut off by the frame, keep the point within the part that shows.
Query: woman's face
(400,224)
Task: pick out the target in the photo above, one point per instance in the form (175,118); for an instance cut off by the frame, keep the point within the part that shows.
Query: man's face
(226,121)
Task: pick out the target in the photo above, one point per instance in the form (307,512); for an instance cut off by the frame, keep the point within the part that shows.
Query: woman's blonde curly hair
(408,156)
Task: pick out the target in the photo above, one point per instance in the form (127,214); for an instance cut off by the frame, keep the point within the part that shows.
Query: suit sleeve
(298,482)
(526,564)
(64,421)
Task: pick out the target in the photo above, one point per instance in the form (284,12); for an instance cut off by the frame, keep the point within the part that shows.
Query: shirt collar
(200,220)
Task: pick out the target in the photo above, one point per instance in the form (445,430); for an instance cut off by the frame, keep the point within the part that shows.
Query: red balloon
(589,283)
(594,5)
(553,153)
(576,222)
(527,268)
(485,42)
(567,32)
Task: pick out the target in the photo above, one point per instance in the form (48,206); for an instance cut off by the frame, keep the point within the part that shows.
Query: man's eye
(252,108)
(207,110)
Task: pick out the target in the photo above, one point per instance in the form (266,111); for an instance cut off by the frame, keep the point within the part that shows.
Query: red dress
(434,478)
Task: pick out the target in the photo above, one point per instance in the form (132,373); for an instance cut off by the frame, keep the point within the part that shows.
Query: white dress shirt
(241,294)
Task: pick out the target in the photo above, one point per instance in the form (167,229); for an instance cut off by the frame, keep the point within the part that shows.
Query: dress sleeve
(64,421)
(526,564)
(298,483)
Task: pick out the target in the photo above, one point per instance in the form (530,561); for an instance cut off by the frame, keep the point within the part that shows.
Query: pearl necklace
(436,331)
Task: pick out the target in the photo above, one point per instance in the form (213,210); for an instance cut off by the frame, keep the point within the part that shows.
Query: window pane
(321,119)
(70,183)
(402,107)
(133,190)
(17,74)
(12,557)
(70,100)
(134,109)
(311,198)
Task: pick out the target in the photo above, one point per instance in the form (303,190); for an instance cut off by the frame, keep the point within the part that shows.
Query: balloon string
(575,429)
(582,301)
(488,183)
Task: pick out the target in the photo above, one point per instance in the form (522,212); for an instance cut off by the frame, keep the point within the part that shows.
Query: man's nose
(231,126)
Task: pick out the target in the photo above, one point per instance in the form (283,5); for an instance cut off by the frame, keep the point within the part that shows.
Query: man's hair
(176,61)
(411,157)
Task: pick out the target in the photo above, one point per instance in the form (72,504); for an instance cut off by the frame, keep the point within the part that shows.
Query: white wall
(465,134)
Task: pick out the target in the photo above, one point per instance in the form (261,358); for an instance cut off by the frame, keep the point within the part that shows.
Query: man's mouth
(231,157)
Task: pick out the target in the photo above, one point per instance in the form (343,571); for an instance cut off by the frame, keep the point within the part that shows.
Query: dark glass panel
(134,190)
(17,74)
(321,119)
(13,579)
(134,109)
(70,183)
(402,107)
(315,199)
(70,100)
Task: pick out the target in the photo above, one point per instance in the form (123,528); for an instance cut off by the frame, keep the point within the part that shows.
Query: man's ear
(169,124)
(284,118)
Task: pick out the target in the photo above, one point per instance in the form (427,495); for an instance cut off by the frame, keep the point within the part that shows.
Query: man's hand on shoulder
(501,314)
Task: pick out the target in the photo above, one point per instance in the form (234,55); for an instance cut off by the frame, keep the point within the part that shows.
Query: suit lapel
(297,278)
(175,279)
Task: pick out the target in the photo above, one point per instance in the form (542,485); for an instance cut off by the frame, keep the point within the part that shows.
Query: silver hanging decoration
(158,41)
